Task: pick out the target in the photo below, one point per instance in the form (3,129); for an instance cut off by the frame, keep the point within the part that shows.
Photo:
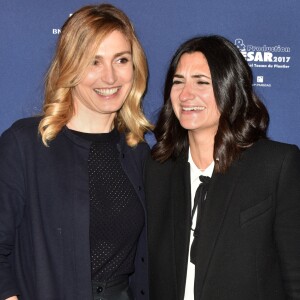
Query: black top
(116,215)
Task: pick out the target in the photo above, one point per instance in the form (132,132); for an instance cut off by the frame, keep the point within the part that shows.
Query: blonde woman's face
(108,80)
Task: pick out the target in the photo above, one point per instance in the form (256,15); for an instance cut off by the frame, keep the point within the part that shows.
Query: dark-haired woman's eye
(202,82)
(177,82)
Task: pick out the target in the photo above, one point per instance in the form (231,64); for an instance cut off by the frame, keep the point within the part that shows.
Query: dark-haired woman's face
(192,95)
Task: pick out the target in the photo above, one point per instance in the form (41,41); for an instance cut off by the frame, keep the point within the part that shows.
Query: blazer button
(142,292)
(142,259)
(99,289)
(139,187)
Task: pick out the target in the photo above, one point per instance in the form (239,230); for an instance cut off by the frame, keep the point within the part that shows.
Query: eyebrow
(116,55)
(193,76)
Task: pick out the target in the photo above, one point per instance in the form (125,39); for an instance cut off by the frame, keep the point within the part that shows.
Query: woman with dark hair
(223,200)
(72,217)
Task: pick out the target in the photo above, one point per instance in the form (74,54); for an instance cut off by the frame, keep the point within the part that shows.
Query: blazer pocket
(255,211)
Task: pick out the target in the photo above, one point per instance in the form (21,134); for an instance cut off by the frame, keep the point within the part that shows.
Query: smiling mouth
(194,108)
(107,92)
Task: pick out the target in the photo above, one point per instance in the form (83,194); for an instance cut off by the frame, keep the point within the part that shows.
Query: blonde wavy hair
(77,45)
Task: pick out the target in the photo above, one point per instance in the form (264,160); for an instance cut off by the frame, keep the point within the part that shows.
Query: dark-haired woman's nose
(186,93)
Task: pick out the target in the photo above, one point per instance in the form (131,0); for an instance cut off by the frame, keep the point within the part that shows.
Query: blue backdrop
(267,32)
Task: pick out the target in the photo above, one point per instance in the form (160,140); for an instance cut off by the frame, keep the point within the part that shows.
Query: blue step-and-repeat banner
(267,32)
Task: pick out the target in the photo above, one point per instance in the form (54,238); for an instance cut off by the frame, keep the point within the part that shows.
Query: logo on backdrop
(277,57)
(260,81)
(265,57)
(56,31)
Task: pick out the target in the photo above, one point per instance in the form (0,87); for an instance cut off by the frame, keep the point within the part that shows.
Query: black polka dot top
(116,214)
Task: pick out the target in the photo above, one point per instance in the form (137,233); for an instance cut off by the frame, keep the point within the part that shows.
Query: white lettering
(258,57)
(260,66)
(281,66)
(268,56)
(250,56)
(56,31)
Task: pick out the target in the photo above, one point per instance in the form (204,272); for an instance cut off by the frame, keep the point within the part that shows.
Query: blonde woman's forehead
(113,43)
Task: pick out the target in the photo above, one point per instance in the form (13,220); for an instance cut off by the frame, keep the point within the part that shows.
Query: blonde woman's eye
(123,60)
(95,62)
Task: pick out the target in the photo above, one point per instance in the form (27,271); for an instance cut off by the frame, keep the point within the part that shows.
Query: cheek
(124,73)
(128,76)
(80,92)
(173,97)
(212,103)
(215,115)
(175,107)
(216,110)
(89,78)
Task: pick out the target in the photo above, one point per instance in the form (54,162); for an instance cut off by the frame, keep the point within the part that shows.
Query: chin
(188,126)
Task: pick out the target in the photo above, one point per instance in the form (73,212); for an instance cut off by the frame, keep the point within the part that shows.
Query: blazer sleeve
(11,208)
(287,222)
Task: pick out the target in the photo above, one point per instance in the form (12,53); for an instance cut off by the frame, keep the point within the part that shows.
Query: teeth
(106,92)
(193,108)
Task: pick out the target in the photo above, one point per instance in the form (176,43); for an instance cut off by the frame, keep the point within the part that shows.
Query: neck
(93,122)
(202,150)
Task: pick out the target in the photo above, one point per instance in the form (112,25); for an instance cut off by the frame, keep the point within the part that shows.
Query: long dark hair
(244,118)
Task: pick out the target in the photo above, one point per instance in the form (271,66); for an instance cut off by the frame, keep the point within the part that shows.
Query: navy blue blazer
(44,215)
(248,245)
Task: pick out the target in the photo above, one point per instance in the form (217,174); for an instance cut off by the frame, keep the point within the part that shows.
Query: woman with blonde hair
(72,217)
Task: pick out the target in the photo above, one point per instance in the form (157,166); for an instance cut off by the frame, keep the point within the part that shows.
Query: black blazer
(249,241)
(44,214)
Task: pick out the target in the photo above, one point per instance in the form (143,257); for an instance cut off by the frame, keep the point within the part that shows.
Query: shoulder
(275,146)
(23,127)
(164,170)
(142,147)
(141,150)
(153,164)
(268,158)
(20,137)
(271,149)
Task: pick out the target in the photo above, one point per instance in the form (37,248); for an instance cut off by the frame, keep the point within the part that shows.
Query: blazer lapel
(181,195)
(217,202)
